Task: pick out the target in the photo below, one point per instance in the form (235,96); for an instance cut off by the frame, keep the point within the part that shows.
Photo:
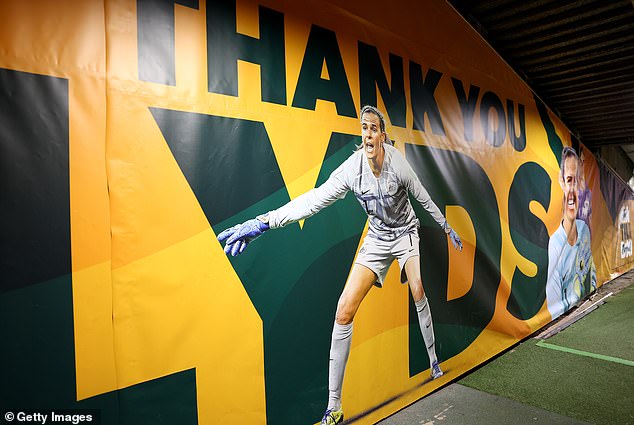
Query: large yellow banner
(142,129)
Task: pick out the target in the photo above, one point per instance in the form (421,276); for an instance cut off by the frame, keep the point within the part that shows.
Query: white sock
(339,350)
(427,328)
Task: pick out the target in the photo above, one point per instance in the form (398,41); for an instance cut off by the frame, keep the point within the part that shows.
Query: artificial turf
(609,330)
(586,388)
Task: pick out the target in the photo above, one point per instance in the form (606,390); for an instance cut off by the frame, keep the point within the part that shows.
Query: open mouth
(369,147)
(571,201)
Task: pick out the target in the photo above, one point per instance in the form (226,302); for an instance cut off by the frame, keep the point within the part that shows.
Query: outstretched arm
(311,202)
(240,236)
(419,192)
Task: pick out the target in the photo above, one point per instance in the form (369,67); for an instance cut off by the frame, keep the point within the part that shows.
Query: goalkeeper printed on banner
(381,179)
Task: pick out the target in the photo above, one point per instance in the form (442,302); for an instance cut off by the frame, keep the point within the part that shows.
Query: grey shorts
(378,255)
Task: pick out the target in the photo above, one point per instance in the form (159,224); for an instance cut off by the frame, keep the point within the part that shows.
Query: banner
(132,133)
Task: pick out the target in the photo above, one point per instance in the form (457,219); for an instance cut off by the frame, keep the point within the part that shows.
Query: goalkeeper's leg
(339,350)
(412,268)
(359,283)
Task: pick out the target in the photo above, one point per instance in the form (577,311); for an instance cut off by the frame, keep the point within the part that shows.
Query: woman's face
(570,186)
(371,135)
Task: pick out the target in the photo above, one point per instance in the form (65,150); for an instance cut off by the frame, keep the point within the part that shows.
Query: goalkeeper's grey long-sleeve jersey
(383,198)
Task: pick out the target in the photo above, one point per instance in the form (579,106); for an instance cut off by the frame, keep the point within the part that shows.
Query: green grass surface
(609,330)
(589,389)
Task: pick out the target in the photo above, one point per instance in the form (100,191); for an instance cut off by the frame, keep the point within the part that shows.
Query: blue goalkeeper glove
(235,248)
(240,236)
(455,240)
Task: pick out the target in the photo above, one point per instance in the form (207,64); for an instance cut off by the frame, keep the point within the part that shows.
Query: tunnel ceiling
(577,56)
